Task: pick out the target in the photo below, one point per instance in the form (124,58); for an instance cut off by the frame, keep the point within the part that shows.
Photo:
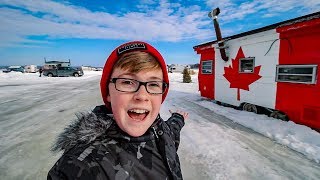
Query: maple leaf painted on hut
(240,80)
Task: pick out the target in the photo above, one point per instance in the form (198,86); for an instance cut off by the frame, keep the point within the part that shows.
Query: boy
(125,138)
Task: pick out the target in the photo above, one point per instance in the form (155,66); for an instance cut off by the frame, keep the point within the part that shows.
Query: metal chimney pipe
(214,15)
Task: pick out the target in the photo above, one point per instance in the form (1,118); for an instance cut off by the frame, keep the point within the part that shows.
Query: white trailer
(31,69)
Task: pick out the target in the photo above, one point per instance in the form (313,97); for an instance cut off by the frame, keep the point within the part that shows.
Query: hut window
(296,73)
(206,67)
(246,65)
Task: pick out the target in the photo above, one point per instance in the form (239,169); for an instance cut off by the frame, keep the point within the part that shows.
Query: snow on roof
(272,26)
(304,18)
(14,67)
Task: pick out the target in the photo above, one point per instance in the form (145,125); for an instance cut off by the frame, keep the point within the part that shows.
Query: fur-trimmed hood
(85,129)
(98,123)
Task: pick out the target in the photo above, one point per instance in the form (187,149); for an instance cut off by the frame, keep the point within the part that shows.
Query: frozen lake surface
(214,142)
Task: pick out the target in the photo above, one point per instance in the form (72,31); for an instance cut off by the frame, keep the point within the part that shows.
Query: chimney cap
(214,12)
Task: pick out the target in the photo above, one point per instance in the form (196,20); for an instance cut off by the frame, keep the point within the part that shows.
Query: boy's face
(134,112)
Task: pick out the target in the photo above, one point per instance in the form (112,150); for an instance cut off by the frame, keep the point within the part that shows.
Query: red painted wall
(206,81)
(300,44)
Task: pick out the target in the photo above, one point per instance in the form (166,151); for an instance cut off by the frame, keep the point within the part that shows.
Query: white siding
(261,92)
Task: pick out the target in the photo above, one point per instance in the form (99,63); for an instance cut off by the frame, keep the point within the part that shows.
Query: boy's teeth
(139,111)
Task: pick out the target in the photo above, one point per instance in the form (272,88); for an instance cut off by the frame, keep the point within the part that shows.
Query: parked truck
(63,71)
(60,68)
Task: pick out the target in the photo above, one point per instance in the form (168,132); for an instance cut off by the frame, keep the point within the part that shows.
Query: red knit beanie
(117,53)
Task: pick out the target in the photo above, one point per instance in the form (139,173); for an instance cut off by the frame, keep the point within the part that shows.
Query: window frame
(253,64)
(313,75)
(211,69)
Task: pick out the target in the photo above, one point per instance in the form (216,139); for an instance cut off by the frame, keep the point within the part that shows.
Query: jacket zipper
(155,132)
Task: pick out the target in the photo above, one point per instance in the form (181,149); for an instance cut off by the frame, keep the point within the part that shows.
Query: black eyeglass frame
(164,85)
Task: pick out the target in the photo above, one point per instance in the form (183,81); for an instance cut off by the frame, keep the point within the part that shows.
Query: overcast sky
(86,31)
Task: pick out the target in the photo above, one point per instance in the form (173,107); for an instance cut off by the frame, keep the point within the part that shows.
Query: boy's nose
(141,94)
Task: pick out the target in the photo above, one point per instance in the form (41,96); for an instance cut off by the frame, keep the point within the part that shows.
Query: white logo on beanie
(132,46)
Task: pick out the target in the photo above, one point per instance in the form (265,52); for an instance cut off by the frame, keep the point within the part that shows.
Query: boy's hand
(184,114)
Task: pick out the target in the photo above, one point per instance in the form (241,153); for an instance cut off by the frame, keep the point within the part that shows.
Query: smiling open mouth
(138,114)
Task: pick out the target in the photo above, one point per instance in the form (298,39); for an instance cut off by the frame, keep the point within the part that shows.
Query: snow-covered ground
(297,137)
(216,143)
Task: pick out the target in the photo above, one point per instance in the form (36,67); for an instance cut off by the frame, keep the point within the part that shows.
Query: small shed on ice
(273,68)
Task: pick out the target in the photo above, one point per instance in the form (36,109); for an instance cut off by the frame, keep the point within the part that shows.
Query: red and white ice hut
(274,68)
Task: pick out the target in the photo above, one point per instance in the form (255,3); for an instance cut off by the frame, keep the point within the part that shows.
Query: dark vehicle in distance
(63,71)
(14,68)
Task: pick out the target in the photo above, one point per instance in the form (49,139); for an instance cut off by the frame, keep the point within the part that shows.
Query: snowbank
(297,137)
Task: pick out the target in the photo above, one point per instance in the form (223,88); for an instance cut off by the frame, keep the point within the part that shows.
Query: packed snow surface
(216,142)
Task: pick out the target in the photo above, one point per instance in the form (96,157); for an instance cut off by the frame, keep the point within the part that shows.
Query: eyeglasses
(132,85)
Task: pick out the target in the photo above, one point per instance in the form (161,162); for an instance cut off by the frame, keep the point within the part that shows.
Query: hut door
(206,76)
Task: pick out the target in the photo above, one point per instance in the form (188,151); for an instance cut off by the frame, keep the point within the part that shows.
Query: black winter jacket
(96,148)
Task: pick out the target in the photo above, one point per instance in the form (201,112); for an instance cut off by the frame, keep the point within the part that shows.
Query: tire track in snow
(30,118)
(282,160)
